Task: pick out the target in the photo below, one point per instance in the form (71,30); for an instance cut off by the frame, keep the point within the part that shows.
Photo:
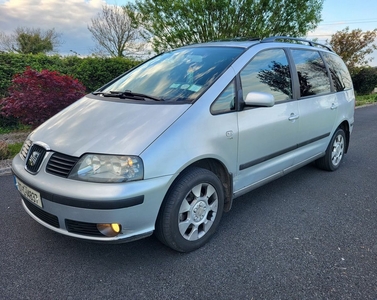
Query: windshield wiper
(128,94)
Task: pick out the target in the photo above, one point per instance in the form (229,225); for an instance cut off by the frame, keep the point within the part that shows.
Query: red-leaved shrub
(36,96)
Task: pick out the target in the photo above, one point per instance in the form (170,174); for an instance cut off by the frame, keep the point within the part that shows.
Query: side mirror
(259,99)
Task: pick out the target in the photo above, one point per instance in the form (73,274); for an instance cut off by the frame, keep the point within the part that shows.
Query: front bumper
(74,208)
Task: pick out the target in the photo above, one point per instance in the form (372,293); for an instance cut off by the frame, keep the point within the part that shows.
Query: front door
(267,135)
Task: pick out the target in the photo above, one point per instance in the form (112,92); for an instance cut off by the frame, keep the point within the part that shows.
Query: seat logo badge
(33,158)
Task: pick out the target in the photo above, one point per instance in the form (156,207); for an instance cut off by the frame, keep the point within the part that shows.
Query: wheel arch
(226,178)
(346,128)
(219,169)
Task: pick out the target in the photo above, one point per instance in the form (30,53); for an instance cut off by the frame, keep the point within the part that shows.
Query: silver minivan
(168,146)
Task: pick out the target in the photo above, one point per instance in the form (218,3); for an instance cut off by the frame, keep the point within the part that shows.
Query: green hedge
(365,80)
(93,72)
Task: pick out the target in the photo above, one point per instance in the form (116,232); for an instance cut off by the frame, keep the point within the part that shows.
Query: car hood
(102,126)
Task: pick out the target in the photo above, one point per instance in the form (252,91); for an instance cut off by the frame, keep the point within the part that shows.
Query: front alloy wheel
(198,212)
(191,211)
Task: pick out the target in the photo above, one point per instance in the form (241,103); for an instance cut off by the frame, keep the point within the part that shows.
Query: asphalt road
(308,235)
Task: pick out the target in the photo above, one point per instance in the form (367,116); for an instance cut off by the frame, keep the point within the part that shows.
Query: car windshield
(178,75)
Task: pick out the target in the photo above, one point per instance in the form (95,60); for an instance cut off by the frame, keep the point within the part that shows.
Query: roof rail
(311,43)
(238,39)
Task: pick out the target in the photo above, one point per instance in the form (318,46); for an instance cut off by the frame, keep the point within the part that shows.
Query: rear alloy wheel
(334,152)
(191,211)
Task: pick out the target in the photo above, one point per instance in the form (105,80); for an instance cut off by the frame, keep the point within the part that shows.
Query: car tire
(191,211)
(334,152)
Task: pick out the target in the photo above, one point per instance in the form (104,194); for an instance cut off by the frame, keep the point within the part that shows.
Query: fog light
(110,230)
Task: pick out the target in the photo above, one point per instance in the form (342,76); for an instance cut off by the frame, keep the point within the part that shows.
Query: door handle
(334,106)
(293,117)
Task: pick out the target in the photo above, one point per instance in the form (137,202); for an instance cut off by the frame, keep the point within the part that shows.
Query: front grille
(25,149)
(61,164)
(35,158)
(82,228)
(41,214)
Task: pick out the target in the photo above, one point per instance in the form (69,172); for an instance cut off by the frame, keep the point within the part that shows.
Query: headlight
(108,168)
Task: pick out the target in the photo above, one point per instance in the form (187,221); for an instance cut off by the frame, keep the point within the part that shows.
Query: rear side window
(340,76)
(311,72)
(268,72)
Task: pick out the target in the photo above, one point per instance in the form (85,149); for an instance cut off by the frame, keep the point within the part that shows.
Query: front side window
(225,102)
(178,75)
(268,72)
(340,76)
(311,72)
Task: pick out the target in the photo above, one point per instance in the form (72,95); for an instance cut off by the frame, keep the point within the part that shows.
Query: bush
(365,80)
(93,72)
(7,123)
(36,96)
(11,64)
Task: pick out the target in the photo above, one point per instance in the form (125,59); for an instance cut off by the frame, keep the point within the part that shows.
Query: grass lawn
(9,150)
(11,140)
(366,99)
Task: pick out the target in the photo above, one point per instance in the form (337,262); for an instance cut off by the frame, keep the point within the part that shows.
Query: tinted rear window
(340,76)
(311,72)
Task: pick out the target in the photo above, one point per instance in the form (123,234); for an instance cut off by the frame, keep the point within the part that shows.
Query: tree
(36,96)
(30,41)
(180,22)
(354,47)
(114,32)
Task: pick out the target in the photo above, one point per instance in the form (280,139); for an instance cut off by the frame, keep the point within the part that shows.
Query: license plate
(29,193)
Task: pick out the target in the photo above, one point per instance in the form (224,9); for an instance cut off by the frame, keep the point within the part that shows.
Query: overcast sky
(68,17)
(71,18)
